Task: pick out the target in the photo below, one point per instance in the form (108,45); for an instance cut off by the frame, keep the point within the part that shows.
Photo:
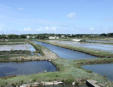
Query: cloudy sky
(56,16)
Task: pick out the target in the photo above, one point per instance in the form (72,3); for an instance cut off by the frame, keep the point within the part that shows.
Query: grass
(93,52)
(69,71)
(108,43)
(13,42)
(36,46)
(14,53)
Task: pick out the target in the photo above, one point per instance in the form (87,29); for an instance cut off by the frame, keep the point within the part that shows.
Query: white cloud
(1,27)
(53,28)
(20,9)
(1,30)
(91,28)
(71,15)
(27,29)
(46,29)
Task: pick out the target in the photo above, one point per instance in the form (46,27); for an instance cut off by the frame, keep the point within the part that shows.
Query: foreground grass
(93,52)
(13,42)
(69,71)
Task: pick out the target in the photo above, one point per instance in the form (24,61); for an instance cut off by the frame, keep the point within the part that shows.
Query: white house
(53,37)
(77,40)
(62,36)
(25,85)
(28,37)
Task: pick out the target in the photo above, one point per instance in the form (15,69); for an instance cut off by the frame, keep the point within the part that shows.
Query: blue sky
(56,16)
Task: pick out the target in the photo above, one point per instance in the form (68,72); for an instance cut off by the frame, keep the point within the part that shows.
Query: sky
(56,16)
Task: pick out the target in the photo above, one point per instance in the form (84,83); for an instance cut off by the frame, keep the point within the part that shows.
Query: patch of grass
(69,71)
(13,53)
(13,42)
(95,61)
(36,46)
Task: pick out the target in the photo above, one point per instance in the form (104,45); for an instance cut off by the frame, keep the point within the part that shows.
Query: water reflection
(65,53)
(96,46)
(102,69)
(25,68)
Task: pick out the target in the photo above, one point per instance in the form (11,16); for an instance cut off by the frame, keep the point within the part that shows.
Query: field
(69,71)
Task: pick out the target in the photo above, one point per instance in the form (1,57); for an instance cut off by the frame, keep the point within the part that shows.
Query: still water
(25,68)
(65,53)
(95,46)
(102,69)
(100,41)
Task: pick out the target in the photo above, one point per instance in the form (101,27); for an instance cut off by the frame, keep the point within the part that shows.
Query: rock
(36,84)
(92,83)
(25,85)
(51,83)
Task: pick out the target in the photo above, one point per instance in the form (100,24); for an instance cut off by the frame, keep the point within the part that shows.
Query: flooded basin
(100,41)
(65,53)
(102,69)
(95,46)
(25,68)
(17,47)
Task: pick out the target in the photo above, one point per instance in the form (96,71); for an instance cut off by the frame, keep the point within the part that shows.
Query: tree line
(46,36)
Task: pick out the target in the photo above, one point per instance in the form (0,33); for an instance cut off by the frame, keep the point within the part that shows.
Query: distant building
(6,39)
(33,37)
(3,39)
(62,36)
(77,40)
(28,37)
(53,37)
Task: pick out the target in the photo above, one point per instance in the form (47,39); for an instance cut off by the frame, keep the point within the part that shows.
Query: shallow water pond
(25,68)
(100,41)
(23,47)
(96,46)
(17,47)
(102,69)
(65,53)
